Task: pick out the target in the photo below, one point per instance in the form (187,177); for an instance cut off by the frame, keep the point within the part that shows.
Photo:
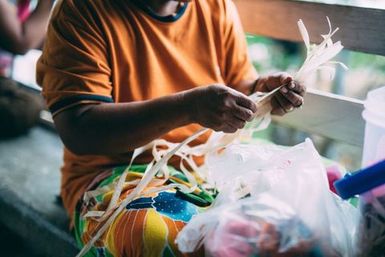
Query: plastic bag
(369,183)
(371,230)
(273,201)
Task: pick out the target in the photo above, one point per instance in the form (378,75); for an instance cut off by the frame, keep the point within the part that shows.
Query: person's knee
(150,235)
(144,232)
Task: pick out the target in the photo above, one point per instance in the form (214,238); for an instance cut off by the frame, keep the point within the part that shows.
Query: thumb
(285,79)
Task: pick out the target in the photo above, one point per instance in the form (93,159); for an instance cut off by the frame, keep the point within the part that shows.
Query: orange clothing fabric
(112,51)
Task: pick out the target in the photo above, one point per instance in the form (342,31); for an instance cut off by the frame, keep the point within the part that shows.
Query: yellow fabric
(111,237)
(113,50)
(154,236)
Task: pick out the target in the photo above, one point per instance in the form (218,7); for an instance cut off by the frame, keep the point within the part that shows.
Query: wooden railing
(361,29)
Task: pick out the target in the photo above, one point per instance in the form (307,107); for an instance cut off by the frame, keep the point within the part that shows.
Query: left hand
(289,97)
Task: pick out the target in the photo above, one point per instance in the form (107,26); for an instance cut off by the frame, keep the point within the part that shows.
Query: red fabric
(333,174)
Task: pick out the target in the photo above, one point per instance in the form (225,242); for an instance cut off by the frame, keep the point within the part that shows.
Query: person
(20,30)
(117,75)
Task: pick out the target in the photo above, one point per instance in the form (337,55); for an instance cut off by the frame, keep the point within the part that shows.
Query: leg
(147,226)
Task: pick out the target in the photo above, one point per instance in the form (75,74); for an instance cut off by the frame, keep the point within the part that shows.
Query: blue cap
(361,181)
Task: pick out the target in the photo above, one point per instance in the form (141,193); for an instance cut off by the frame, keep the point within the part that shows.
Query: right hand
(221,108)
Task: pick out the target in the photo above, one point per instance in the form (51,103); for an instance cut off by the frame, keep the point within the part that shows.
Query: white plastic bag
(273,201)
(371,230)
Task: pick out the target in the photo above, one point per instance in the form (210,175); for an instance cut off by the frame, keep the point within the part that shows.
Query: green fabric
(203,199)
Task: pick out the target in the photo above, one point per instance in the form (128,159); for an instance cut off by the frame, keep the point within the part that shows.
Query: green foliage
(359,60)
(283,55)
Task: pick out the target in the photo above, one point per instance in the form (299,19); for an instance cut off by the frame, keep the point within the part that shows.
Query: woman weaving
(117,74)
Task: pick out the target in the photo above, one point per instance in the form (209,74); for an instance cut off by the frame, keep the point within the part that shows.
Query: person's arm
(121,127)
(19,37)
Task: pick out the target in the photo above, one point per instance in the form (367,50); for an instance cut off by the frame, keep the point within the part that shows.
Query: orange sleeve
(74,67)
(237,65)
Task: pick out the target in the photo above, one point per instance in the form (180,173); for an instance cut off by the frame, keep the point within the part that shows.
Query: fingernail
(290,109)
(291,85)
(299,103)
(284,90)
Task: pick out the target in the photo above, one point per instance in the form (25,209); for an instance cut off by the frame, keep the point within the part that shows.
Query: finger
(284,103)
(295,99)
(273,82)
(233,121)
(237,123)
(285,78)
(215,124)
(242,113)
(277,80)
(297,87)
(277,108)
(246,102)
(228,128)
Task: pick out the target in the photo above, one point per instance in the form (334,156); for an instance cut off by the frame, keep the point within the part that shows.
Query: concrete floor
(29,186)
(12,246)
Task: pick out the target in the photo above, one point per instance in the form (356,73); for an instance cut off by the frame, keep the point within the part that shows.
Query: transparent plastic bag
(371,230)
(369,184)
(273,201)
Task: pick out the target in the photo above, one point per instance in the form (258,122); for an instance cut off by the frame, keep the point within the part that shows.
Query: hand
(220,108)
(289,97)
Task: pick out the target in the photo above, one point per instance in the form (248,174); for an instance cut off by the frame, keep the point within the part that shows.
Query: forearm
(34,28)
(20,37)
(119,128)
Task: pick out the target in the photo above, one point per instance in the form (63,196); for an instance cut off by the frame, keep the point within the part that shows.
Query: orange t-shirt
(114,51)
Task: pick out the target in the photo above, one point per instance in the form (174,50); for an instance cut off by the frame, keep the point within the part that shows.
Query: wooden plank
(361,29)
(376,4)
(329,115)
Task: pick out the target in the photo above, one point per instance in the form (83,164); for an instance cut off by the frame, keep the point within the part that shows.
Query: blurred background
(366,72)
